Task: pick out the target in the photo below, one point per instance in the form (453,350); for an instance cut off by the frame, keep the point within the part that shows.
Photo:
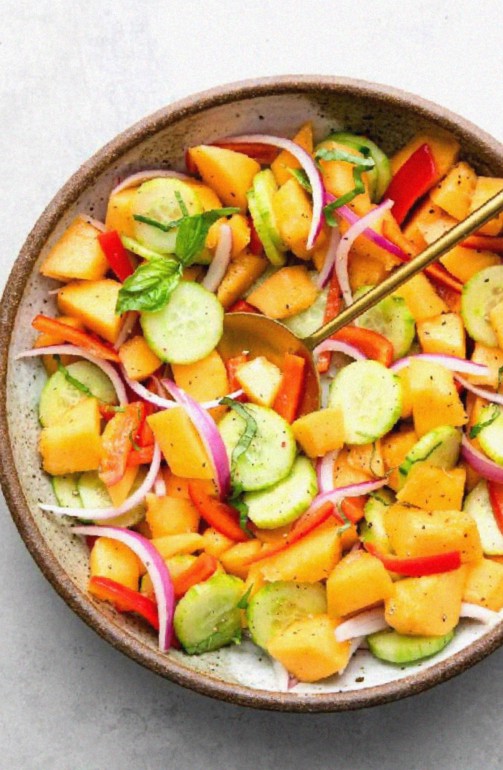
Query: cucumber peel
(277,605)
(401,649)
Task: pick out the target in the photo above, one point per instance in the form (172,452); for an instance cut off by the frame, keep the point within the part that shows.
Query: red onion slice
(166,403)
(336,346)
(325,471)
(453,363)
(102,514)
(489,395)
(363,624)
(347,240)
(307,163)
(156,568)
(220,261)
(133,180)
(73,350)
(209,434)
(476,612)
(338,494)
(127,327)
(480,463)
(328,265)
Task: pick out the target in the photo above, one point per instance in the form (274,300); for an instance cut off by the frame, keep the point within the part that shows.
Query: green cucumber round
(491,437)
(159,200)
(380,176)
(59,394)
(401,649)
(66,490)
(285,501)
(478,505)
(373,529)
(370,398)
(260,203)
(308,321)
(392,318)
(188,328)
(94,494)
(277,605)
(480,294)
(440,447)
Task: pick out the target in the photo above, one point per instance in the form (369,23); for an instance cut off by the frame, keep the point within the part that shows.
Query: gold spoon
(262,336)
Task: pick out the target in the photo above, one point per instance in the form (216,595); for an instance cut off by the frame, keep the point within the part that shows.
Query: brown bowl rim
(79,602)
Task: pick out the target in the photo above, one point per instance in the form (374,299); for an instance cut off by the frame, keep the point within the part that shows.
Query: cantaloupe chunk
(493,359)
(463,263)
(240,275)
(73,445)
(443,145)
(319,432)
(207,196)
(93,303)
(364,271)
(309,650)
(138,359)
(44,339)
(346,474)
(367,458)
(309,560)
(235,560)
(177,486)
(485,188)
(433,488)
(426,606)
(285,293)
(444,334)
(114,560)
(423,219)
(171,515)
(359,580)
(421,298)
(180,444)
(120,212)
(171,545)
(496,320)
(338,178)
(395,447)
(260,380)
(240,231)
(454,193)
(204,380)
(484,584)
(364,247)
(76,255)
(435,400)
(294,213)
(228,173)
(285,161)
(215,543)
(414,532)
(120,491)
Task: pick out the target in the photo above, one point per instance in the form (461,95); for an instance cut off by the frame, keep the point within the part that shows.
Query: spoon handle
(473,222)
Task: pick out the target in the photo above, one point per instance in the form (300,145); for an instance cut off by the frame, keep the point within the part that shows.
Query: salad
(214,508)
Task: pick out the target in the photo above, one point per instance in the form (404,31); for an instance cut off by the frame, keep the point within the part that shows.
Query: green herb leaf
(300,175)
(150,286)
(347,523)
(245,599)
(193,230)
(181,203)
(361,165)
(324,153)
(72,380)
(250,427)
(479,426)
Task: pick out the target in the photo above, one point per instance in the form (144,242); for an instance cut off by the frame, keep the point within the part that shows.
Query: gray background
(72,74)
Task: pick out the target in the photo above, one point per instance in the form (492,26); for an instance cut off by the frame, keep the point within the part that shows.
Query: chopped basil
(150,286)
(361,165)
(479,426)
(72,380)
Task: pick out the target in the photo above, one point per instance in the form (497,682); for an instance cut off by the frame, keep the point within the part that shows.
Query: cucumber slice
(380,176)
(271,453)
(370,398)
(308,321)
(157,199)
(491,437)
(278,605)
(399,648)
(373,529)
(94,494)
(440,447)
(188,328)
(285,501)
(392,318)
(480,294)
(137,248)
(59,394)
(260,203)
(478,505)
(208,617)
(66,490)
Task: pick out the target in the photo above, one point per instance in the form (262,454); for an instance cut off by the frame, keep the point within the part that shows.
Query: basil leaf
(301,177)
(250,427)
(479,426)
(361,165)
(150,286)
(367,162)
(193,230)
(72,380)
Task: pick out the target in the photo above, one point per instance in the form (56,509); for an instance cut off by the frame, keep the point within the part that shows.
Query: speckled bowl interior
(277,105)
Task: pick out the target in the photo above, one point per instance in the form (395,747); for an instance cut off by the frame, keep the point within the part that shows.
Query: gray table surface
(72,74)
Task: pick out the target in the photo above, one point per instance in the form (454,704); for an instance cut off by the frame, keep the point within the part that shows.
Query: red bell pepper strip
(332,310)
(125,599)
(241,306)
(484,242)
(142,456)
(222,517)
(256,245)
(371,343)
(412,180)
(43,323)
(451,297)
(418,566)
(290,390)
(440,275)
(118,440)
(199,571)
(262,153)
(302,527)
(353,508)
(145,436)
(116,254)
(496,497)
(232,365)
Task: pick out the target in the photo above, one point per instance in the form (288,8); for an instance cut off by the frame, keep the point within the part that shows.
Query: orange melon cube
(282,164)
(344,473)
(454,193)
(444,334)
(294,213)
(138,359)
(172,545)
(93,303)
(433,489)
(403,376)
(443,145)
(204,380)
(119,492)
(364,270)
(73,444)
(171,515)
(180,444)
(120,212)
(463,263)
(435,400)
(285,293)
(395,447)
(309,560)
(319,432)
(421,298)
(114,560)
(240,230)
(485,188)
(176,486)
(235,559)
(215,543)
(229,173)
(367,458)
(358,581)
(484,584)
(240,275)
(76,255)
(493,359)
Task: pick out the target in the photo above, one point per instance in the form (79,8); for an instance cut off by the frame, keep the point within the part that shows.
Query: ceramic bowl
(277,105)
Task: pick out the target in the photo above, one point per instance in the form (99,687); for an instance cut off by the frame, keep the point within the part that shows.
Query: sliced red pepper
(290,390)
(116,254)
(262,153)
(496,497)
(484,243)
(241,306)
(332,310)
(145,435)
(353,508)
(125,599)
(142,456)
(412,180)
(440,275)
(232,365)
(418,566)
(117,442)
(302,527)
(256,245)
(43,323)
(222,517)
(371,343)
(451,297)
(202,569)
